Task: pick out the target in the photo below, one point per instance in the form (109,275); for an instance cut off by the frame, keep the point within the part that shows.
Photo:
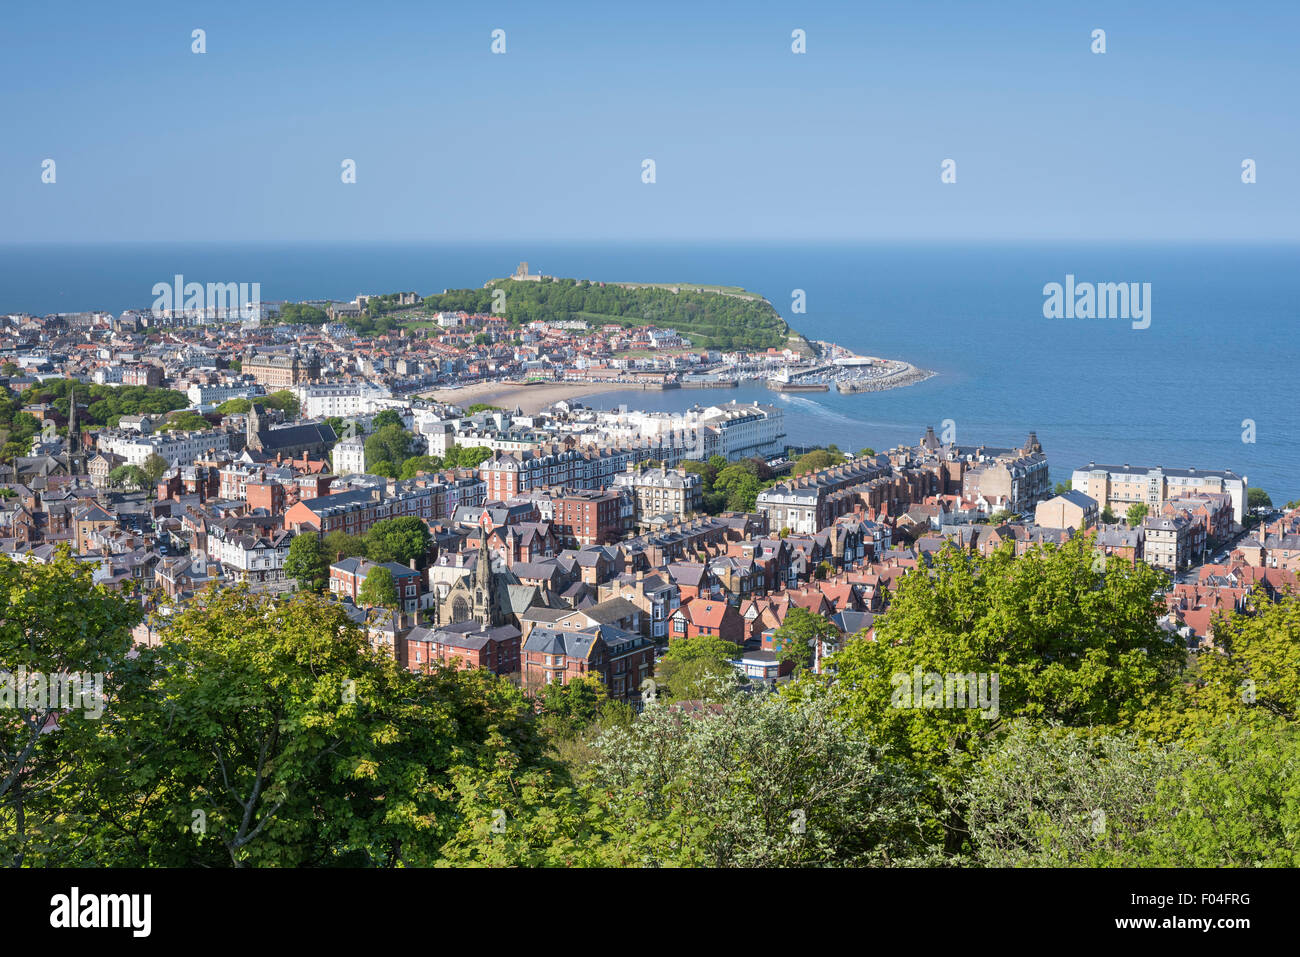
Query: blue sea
(1221,348)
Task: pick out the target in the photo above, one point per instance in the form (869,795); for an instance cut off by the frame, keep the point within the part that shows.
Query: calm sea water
(1221,347)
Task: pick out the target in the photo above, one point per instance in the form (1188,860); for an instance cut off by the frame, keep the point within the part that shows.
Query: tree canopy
(400,540)
(378,590)
(715,319)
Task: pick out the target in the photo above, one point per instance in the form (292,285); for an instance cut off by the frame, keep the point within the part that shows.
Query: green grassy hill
(724,317)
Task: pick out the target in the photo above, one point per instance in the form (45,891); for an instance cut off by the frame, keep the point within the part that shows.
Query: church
(490,595)
(311,438)
(481,596)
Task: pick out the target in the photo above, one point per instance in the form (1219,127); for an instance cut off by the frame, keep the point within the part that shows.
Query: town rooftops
(469,635)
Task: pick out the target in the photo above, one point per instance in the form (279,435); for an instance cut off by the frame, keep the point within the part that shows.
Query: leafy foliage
(1060,797)
(708,318)
(378,590)
(55,623)
(307,562)
(794,639)
(389,443)
(755,782)
(400,540)
(695,668)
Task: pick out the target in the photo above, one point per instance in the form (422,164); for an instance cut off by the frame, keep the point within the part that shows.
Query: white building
(342,399)
(178,448)
(349,456)
(745,430)
(204,396)
(732,430)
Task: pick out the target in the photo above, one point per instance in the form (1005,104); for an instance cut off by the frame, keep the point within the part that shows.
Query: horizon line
(736,240)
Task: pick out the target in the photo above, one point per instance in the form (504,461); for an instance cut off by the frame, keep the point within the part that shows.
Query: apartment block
(1119,486)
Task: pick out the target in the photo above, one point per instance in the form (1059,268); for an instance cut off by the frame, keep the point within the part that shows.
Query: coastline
(528,398)
(534,397)
(899,375)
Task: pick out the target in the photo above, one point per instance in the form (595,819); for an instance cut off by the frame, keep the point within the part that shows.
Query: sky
(750,140)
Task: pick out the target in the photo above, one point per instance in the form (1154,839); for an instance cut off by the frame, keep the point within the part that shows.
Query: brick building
(623,659)
(588,518)
(465,645)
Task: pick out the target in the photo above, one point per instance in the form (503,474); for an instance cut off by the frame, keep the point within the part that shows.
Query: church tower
(254,429)
(75,464)
(486,610)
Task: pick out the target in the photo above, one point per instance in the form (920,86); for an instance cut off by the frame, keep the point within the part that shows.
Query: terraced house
(256,560)
(660,492)
(623,659)
(356,510)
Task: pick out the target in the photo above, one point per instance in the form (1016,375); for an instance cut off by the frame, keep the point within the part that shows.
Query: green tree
(1054,797)
(740,485)
(417,464)
(390,443)
(399,540)
(1136,512)
(801,628)
(234,406)
(1258,498)
(817,460)
(694,667)
(273,735)
(1252,677)
(185,422)
(573,706)
(154,468)
(56,624)
(307,562)
(1108,517)
(467,457)
(284,400)
(295,313)
(378,590)
(1060,797)
(128,475)
(1065,641)
(385,418)
(340,545)
(758,782)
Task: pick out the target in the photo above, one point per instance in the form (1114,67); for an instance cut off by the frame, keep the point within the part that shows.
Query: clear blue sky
(751,141)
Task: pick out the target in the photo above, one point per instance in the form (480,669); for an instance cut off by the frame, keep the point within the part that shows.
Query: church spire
(485,604)
(74,435)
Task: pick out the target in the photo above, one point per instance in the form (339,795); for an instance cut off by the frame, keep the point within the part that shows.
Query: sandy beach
(528,398)
(534,397)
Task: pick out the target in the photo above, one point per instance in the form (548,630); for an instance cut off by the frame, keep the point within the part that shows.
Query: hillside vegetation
(725,320)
